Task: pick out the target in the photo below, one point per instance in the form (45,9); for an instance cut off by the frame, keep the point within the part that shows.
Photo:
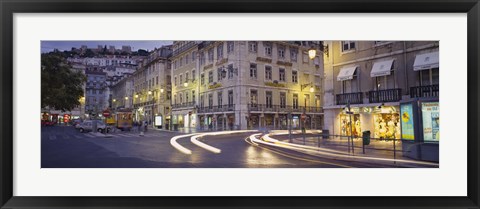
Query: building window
(219,99)
(169,80)
(253,70)
(210,76)
(202,78)
(219,74)
(186,59)
(202,101)
(230,46)
(253,98)
(252,46)
(186,77)
(348,45)
(295,101)
(193,97)
(194,55)
(175,81)
(220,51)
(175,99)
(268,99)
(181,61)
(230,98)
(230,71)
(202,58)
(281,74)
(429,77)
(210,101)
(156,80)
(186,97)
(283,100)
(268,73)
(293,54)
(281,52)
(181,79)
(306,100)
(305,57)
(268,48)
(210,55)
(294,77)
(181,98)
(193,75)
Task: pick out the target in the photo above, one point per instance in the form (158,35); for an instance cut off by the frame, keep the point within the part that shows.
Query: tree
(61,86)
(142,52)
(89,53)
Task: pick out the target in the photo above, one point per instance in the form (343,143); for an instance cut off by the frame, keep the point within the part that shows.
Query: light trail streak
(176,145)
(333,153)
(194,139)
(253,138)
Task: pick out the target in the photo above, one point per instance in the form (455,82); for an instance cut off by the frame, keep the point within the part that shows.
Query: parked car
(88,125)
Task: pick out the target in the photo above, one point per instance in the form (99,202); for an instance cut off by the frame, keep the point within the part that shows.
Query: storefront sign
(406,111)
(431,121)
(158,120)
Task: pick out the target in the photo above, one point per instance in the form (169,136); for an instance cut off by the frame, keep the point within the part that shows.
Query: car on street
(90,125)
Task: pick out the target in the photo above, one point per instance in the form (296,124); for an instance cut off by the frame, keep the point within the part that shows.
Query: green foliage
(61,87)
(89,53)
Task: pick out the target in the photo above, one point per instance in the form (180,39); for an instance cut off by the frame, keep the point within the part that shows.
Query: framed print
(198,104)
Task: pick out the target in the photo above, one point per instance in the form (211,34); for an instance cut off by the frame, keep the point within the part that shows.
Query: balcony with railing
(283,108)
(183,105)
(218,108)
(424,91)
(387,95)
(352,98)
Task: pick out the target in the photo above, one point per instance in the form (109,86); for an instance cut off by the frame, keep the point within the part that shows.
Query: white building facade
(245,85)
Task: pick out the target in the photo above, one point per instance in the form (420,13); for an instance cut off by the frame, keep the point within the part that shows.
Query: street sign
(106,113)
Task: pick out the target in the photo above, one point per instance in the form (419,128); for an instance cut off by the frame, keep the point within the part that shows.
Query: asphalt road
(65,147)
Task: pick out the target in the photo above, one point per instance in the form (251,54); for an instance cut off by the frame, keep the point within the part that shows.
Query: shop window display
(387,126)
(346,130)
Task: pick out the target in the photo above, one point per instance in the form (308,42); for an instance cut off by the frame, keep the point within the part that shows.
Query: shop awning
(381,68)
(426,61)
(346,73)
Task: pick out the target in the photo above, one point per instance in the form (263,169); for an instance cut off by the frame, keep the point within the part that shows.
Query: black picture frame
(10,7)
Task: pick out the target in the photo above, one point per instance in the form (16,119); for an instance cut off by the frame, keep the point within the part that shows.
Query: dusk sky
(67,45)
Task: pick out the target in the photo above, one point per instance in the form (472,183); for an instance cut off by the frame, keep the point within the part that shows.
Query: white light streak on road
(194,139)
(332,153)
(176,145)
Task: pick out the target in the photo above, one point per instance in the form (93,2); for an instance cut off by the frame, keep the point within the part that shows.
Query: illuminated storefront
(383,122)
(431,121)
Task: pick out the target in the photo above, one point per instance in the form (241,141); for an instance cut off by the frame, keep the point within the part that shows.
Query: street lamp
(312,52)
(161,90)
(303,86)
(126,98)
(350,137)
(149,92)
(185,84)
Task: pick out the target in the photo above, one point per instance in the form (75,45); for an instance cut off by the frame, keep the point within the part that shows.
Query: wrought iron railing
(183,105)
(352,98)
(388,95)
(424,91)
